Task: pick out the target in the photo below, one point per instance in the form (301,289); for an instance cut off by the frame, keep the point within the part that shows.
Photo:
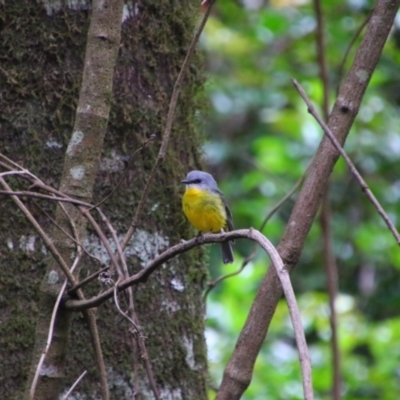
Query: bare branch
(47,241)
(218,238)
(353,169)
(7,161)
(28,193)
(332,285)
(124,314)
(102,237)
(323,69)
(65,397)
(88,279)
(132,318)
(349,47)
(12,173)
(98,352)
(168,125)
(329,258)
(307,203)
(51,330)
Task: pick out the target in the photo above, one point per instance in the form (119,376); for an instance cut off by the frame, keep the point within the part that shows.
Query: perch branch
(218,238)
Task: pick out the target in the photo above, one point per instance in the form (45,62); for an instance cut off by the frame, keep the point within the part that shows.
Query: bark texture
(40,76)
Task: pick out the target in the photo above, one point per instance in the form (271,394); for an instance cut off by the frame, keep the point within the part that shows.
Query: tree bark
(39,78)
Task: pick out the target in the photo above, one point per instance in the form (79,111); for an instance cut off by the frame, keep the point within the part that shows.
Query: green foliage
(261,140)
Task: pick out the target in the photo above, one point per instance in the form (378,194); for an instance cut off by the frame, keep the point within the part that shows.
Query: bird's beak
(185,181)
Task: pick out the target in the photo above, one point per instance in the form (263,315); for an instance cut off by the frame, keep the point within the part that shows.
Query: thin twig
(28,193)
(51,329)
(332,284)
(102,237)
(92,320)
(98,352)
(330,262)
(13,163)
(132,318)
(284,278)
(11,173)
(88,279)
(353,169)
(47,241)
(53,221)
(168,126)
(347,52)
(65,397)
(124,314)
(82,207)
(136,332)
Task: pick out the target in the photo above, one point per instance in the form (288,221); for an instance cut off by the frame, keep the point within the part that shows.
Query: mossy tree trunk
(41,58)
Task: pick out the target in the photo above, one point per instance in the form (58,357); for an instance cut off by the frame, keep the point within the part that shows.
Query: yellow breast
(204,210)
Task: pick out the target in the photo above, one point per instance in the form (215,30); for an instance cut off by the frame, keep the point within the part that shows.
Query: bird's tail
(227,253)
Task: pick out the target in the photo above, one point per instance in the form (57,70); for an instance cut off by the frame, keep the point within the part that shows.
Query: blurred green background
(260,140)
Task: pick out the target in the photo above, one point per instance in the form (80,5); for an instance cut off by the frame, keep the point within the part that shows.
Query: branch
(347,52)
(65,397)
(51,329)
(47,241)
(353,169)
(114,261)
(329,258)
(168,125)
(218,238)
(28,193)
(332,286)
(137,334)
(304,211)
(323,70)
(79,170)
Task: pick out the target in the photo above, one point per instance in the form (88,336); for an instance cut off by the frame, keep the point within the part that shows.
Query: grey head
(201,180)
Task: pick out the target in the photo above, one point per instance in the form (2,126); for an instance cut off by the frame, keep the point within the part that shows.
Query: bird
(206,209)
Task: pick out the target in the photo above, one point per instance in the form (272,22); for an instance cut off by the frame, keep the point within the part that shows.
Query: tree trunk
(41,60)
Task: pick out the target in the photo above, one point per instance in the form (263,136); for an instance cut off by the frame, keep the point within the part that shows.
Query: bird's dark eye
(197,181)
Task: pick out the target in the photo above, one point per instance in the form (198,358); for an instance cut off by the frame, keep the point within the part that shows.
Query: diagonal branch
(353,169)
(47,241)
(304,211)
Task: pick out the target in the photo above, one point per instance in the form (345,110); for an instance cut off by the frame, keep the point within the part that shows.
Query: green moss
(43,72)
